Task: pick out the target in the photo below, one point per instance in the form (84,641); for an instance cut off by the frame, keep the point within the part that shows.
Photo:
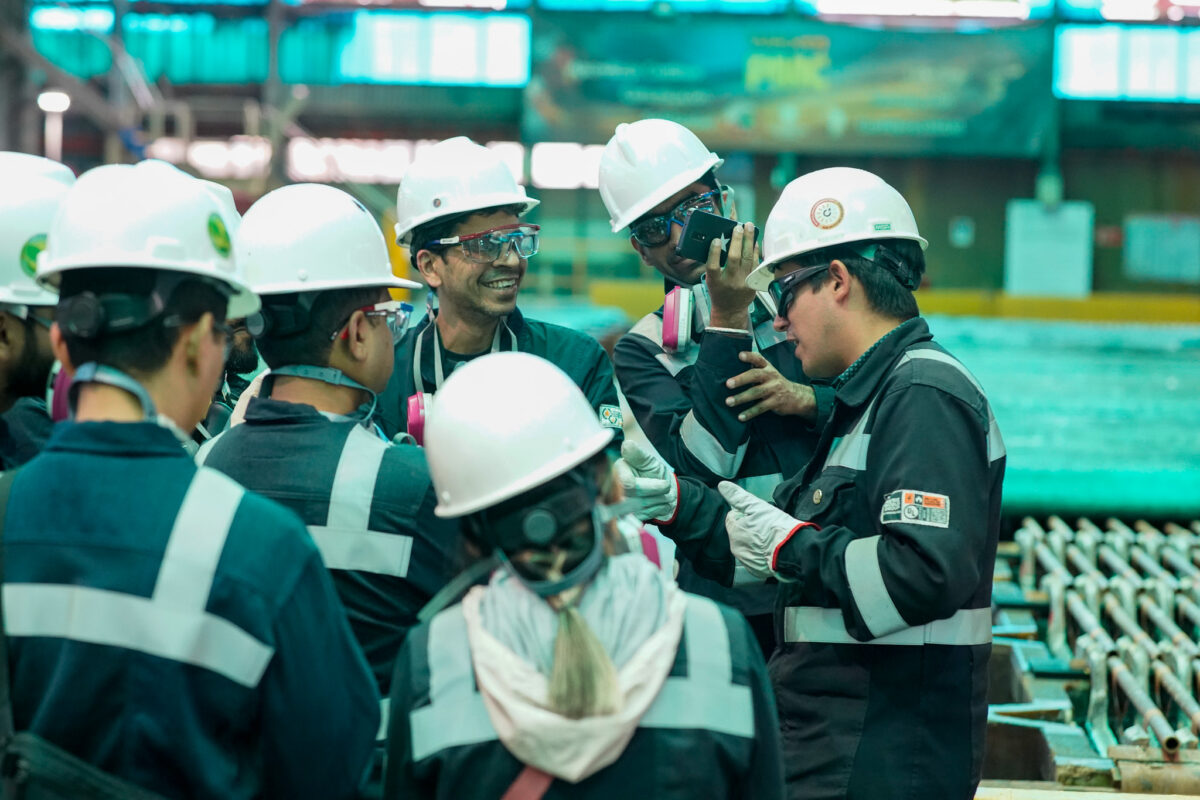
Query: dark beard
(29,376)
(241,360)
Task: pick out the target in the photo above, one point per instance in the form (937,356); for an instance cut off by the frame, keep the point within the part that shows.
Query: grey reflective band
(346,540)
(706,699)
(708,451)
(851,450)
(650,327)
(171,624)
(865,577)
(972,626)
(455,715)
(996,449)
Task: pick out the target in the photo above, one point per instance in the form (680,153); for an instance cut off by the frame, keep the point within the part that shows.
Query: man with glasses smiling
(459,212)
(701,387)
(885,544)
(36,187)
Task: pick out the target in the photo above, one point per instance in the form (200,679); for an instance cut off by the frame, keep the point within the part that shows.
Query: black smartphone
(700,229)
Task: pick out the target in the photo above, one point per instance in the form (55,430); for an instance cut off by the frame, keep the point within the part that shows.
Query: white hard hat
(504,424)
(308,237)
(148,215)
(830,207)
(35,187)
(455,176)
(647,161)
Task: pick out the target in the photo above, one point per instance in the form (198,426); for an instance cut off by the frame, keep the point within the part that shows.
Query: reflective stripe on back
(345,540)
(826,625)
(704,699)
(171,624)
(455,715)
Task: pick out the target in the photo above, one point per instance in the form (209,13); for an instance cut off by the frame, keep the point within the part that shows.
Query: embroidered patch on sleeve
(913,507)
(611,417)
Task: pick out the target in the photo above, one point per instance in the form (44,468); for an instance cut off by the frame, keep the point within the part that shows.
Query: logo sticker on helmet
(827,213)
(29,253)
(218,234)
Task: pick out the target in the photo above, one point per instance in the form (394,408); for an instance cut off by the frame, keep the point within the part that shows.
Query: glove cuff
(786,539)
(675,511)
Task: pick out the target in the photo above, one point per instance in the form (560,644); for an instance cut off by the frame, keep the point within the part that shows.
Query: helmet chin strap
(329,375)
(94,372)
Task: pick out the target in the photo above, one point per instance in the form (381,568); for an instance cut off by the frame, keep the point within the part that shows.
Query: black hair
(443,228)
(146,348)
(313,343)
(888,279)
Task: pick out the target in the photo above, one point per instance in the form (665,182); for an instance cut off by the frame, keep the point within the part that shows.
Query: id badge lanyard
(439,376)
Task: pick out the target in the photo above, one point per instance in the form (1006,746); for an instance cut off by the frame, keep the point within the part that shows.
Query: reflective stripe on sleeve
(996,449)
(969,626)
(865,577)
(707,450)
(345,540)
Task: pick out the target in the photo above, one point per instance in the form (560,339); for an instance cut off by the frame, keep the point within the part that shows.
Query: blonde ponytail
(583,681)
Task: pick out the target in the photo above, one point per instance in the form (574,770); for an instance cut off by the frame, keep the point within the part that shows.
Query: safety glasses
(782,290)
(395,312)
(656,231)
(493,244)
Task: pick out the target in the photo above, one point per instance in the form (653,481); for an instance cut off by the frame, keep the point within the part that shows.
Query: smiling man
(884,545)
(459,212)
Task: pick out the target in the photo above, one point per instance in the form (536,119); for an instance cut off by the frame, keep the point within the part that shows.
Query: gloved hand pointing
(756,530)
(647,479)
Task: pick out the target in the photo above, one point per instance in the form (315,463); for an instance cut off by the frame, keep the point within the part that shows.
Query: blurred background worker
(459,210)
(886,551)
(653,174)
(164,624)
(576,672)
(327,328)
(33,188)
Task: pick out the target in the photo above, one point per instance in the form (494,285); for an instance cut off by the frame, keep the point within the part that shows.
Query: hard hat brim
(678,183)
(549,471)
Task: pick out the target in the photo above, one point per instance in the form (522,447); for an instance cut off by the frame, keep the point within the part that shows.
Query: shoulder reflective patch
(611,417)
(914,507)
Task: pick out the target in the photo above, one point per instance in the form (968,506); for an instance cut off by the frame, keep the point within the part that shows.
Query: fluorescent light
(992,9)
(54,102)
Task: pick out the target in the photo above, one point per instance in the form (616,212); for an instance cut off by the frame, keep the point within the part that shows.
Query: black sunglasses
(656,231)
(782,290)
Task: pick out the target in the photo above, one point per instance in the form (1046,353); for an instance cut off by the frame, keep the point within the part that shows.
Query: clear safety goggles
(656,231)
(395,312)
(783,289)
(493,244)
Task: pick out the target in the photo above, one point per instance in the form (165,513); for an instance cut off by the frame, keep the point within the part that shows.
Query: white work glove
(756,530)
(649,484)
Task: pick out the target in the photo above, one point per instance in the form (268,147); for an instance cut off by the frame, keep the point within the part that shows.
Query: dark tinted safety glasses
(656,231)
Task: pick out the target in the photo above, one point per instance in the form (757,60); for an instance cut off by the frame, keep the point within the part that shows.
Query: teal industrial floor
(1097,418)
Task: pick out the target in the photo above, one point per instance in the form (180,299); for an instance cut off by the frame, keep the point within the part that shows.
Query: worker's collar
(856,385)
(115,439)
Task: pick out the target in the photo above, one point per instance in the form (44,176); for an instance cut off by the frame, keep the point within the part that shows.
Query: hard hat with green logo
(34,188)
(149,215)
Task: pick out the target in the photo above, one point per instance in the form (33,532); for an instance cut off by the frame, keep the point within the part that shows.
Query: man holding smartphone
(701,395)
(885,544)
